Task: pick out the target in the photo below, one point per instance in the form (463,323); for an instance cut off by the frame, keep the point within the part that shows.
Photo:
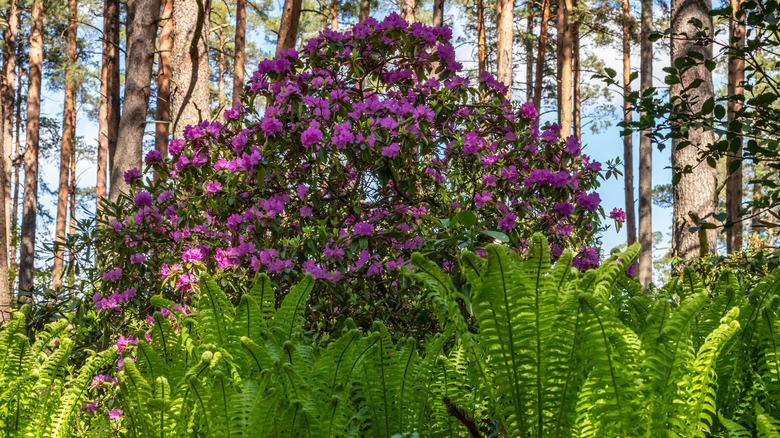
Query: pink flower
(137,258)
(589,201)
(312,135)
(143,198)
(192,255)
(363,229)
(132,175)
(618,214)
(391,151)
(306,211)
(114,414)
(480,199)
(213,187)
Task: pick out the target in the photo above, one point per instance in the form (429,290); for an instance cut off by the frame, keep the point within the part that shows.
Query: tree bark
(334,15)
(221,73)
(540,55)
(646,154)
(108,112)
(137,90)
(27,253)
(696,192)
(481,43)
(162,115)
(17,166)
(577,79)
(8,98)
(72,190)
(288,25)
(190,96)
(407,10)
(240,44)
(365,10)
(628,145)
(504,38)
(68,135)
(529,53)
(736,75)
(564,66)
(438,13)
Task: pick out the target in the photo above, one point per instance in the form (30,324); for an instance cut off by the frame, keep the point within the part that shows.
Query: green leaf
(496,235)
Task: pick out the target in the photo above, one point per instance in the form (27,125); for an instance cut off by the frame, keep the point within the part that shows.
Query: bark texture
(334,15)
(543,35)
(68,135)
(288,25)
(162,115)
(30,210)
(438,13)
(736,76)
(108,112)
(696,192)
(365,10)
(564,66)
(628,144)
(190,94)
(8,99)
(221,72)
(504,35)
(17,168)
(240,49)
(646,154)
(407,10)
(72,190)
(481,43)
(576,78)
(529,53)
(137,90)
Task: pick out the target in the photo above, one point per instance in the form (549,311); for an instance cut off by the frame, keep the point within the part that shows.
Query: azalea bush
(340,161)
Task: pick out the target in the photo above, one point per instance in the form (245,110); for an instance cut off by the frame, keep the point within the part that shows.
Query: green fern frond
(214,312)
(289,317)
(734,429)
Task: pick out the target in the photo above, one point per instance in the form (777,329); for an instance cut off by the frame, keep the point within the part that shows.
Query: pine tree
(240,49)
(504,38)
(540,59)
(736,75)
(190,62)
(108,112)
(162,114)
(628,145)
(288,25)
(6,139)
(646,154)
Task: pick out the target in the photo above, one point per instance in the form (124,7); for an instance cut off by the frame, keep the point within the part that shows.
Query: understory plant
(529,349)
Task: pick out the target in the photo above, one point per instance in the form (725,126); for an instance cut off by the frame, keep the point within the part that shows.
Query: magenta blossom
(143,198)
(363,229)
(132,175)
(114,414)
(618,214)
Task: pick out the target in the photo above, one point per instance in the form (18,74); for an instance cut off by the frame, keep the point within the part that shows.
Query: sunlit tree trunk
(736,75)
(628,146)
(334,15)
(221,73)
(438,13)
(30,210)
(407,10)
(190,94)
(564,66)
(240,44)
(504,22)
(529,53)
(6,139)
(696,191)
(481,44)
(646,154)
(72,190)
(288,25)
(576,78)
(108,112)
(68,136)
(365,10)
(543,35)
(162,113)
(17,171)
(137,91)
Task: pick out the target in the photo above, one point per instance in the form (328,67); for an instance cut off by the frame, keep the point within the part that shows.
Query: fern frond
(289,317)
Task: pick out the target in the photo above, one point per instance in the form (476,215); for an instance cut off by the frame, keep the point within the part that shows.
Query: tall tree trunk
(646,154)
(736,76)
(481,43)
(17,168)
(540,56)
(628,145)
(438,13)
(108,112)
(696,192)
(407,10)
(221,73)
(529,53)
(576,77)
(129,16)
(239,43)
(68,135)
(365,10)
(131,126)
(564,66)
(334,15)
(288,25)
(72,190)
(9,72)
(162,113)
(504,38)
(27,254)
(190,96)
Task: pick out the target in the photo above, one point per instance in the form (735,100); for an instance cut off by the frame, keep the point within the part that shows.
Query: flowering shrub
(340,161)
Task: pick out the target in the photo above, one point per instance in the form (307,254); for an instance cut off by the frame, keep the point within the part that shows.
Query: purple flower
(472,143)
(618,214)
(192,255)
(572,145)
(114,414)
(631,270)
(143,198)
(564,208)
(306,211)
(113,275)
(483,198)
(213,187)
(137,258)
(175,146)
(391,151)
(489,180)
(588,258)
(527,111)
(271,126)
(312,135)
(125,342)
(153,157)
(508,222)
(132,175)
(589,201)
(363,229)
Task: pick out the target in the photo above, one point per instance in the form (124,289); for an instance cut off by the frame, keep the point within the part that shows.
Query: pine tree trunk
(30,211)
(108,112)
(131,126)
(628,145)
(407,10)
(529,53)
(736,75)
(72,190)
(240,44)
(8,98)
(481,43)
(334,15)
(17,168)
(365,10)
(543,35)
(288,25)
(162,113)
(221,73)
(190,96)
(504,38)
(438,13)
(577,79)
(68,135)
(564,66)
(646,154)
(696,192)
